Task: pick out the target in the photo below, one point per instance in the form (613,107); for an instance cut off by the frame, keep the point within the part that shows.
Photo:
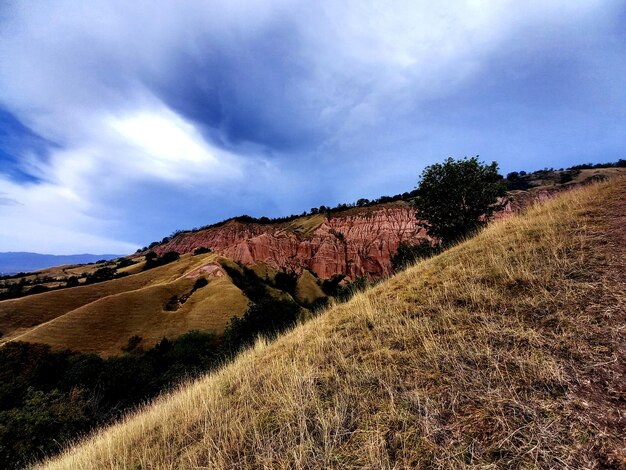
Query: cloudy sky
(121,122)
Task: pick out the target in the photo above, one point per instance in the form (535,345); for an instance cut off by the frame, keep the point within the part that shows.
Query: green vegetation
(286,281)
(247,280)
(409,253)
(457,197)
(175,302)
(154,261)
(48,398)
(101,275)
(343,291)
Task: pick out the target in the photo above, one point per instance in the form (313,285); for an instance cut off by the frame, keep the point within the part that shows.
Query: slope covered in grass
(506,351)
(100,318)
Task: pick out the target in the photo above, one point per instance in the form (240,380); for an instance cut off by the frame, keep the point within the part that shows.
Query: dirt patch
(210,270)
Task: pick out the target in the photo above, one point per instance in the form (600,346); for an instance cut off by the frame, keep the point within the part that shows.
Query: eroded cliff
(356,242)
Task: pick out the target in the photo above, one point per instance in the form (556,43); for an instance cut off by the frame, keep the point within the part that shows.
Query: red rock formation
(357,242)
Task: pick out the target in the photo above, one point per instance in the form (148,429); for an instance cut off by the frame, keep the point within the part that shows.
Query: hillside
(506,351)
(102,317)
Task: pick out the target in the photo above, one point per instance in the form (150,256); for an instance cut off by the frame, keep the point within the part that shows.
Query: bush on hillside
(330,286)
(267,317)
(125,262)
(100,275)
(247,280)
(409,253)
(132,344)
(200,283)
(154,261)
(286,281)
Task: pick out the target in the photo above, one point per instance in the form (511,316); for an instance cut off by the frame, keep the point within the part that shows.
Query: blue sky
(121,122)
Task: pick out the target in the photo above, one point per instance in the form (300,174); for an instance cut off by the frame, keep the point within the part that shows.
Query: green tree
(457,197)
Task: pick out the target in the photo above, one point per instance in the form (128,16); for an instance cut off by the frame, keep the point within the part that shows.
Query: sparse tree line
(24,286)
(456,198)
(108,272)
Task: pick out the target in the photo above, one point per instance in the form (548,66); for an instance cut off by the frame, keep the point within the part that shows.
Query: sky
(121,122)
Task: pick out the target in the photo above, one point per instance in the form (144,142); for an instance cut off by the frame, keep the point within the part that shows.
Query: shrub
(125,262)
(100,275)
(248,281)
(330,286)
(201,250)
(133,342)
(153,261)
(38,289)
(409,253)
(267,317)
(286,281)
(172,304)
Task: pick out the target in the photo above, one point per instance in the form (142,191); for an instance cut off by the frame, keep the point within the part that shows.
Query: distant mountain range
(17,262)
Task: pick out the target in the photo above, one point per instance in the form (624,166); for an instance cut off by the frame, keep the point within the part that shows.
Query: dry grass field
(507,351)
(100,318)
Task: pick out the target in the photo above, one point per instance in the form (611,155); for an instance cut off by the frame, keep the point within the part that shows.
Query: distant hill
(22,261)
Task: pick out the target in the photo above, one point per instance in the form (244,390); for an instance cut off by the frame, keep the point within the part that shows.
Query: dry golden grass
(506,351)
(20,315)
(100,318)
(304,226)
(264,271)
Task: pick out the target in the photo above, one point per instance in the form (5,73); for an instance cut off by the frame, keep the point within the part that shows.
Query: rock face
(357,242)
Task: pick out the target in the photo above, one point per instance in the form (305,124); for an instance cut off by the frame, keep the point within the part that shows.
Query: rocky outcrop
(357,242)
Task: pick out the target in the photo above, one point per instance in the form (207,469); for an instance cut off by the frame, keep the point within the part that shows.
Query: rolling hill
(160,302)
(506,351)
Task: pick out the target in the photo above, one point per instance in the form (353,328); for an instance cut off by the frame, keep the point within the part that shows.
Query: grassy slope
(307,288)
(19,315)
(506,351)
(102,317)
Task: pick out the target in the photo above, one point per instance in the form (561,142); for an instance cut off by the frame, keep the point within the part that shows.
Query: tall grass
(502,352)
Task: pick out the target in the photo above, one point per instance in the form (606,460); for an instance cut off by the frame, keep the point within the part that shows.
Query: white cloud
(48,218)
(166,146)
